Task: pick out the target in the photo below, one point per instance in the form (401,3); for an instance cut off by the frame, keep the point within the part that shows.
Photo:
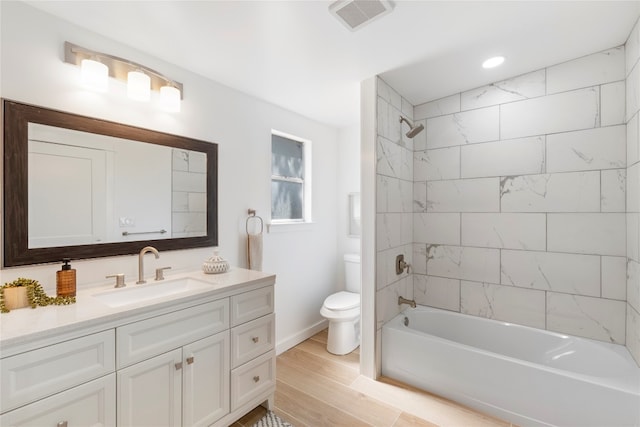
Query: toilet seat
(342,301)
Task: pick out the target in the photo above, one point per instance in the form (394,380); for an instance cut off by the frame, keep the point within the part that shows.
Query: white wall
(33,71)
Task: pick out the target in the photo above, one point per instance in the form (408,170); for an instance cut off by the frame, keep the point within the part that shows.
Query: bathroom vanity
(196,350)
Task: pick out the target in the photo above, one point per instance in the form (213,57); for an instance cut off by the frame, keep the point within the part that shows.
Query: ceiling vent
(354,14)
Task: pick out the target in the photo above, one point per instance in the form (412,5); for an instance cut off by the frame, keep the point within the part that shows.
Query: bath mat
(271,420)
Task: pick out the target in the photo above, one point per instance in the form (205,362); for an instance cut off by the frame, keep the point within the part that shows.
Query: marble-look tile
(633,333)
(439,107)
(558,192)
(633,236)
(633,284)
(633,188)
(197,202)
(188,181)
(592,149)
(388,94)
(464,195)
(504,230)
(393,230)
(602,67)
(597,318)
(632,48)
(387,300)
(180,201)
(180,160)
(394,160)
(381,269)
(613,183)
(612,104)
(587,233)
(501,158)
(437,292)
(614,278)
(563,112)
(189,222)
(633,92)
(463,128)
(505,303)
(197,162)
(438,164)
(633,140)
(419,196)
(551,271)
(407,109)
(457,262)
(526,86)
(388,119)
(419,258)
(436,228)
(394,195)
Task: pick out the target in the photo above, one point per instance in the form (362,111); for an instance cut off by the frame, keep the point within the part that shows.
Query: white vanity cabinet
(169,386)
(198,361)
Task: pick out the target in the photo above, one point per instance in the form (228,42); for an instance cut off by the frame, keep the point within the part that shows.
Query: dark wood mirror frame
(16,117)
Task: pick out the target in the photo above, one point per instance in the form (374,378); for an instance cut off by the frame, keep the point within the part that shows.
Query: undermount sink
(137,293)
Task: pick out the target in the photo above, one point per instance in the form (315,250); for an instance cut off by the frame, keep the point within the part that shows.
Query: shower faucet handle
(401,265)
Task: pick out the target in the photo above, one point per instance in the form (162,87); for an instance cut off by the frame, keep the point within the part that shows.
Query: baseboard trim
(297,338)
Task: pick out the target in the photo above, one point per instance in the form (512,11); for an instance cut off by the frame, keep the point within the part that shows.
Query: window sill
(287,227)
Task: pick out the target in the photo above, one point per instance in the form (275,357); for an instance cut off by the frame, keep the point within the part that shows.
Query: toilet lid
(342,301)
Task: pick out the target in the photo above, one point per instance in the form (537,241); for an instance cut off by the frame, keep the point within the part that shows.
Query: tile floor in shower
(315,388)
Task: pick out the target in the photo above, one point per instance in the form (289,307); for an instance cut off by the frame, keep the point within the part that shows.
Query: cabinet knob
(178,366)
(256,378)
(190,360)
(255,339)
(62,424)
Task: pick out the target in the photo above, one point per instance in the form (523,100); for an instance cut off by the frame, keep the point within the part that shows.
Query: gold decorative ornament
(36,296)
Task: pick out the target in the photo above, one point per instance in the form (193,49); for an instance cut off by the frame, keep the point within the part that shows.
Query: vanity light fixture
(493,62)
(138,86)
(140,80)
(94,75)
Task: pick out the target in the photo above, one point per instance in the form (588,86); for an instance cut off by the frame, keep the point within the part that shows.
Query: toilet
(342,309)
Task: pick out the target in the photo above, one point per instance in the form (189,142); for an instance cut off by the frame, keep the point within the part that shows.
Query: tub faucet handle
(401,265)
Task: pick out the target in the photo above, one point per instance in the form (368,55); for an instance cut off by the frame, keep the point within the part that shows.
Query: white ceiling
(295,54)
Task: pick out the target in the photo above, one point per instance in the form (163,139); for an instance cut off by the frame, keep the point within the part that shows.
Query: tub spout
(411,302)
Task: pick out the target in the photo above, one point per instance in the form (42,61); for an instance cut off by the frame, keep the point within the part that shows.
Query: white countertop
(26,324)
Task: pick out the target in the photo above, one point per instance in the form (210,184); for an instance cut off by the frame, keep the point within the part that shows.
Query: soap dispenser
(66,280)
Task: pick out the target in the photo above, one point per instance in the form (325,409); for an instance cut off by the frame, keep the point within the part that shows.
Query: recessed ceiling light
(493,62)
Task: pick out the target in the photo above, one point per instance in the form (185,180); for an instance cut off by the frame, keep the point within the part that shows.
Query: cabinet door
(206,380)
(90,404)
(149,392)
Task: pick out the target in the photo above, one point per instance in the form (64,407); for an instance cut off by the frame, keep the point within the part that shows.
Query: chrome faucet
(141,262)
(411,302)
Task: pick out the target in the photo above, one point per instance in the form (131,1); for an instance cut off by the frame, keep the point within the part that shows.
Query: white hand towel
(254,251)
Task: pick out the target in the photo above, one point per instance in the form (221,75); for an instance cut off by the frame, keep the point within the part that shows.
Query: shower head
(414,129)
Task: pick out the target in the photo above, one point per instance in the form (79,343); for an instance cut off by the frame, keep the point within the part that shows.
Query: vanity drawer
(147,338)
(253,379)
(251,305)
(40,373)
(252,339)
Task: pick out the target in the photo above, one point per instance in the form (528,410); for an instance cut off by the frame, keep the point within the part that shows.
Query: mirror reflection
(86,188)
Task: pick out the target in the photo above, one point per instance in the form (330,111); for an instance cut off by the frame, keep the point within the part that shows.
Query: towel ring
(252,215)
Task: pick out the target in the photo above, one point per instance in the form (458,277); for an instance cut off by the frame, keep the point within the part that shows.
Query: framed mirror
(78,187)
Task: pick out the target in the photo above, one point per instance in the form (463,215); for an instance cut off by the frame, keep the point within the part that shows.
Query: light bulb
(94,75)
(170,99)
(493,62)
(138,86)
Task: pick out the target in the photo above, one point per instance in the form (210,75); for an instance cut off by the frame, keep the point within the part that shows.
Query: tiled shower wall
(520,200)
(632,73)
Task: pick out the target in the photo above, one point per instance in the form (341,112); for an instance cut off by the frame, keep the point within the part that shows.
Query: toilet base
(344,336)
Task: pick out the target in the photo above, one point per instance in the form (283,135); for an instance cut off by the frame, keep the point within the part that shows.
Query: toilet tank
(352,272)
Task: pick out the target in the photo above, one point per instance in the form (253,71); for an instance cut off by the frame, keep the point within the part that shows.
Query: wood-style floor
(315,388)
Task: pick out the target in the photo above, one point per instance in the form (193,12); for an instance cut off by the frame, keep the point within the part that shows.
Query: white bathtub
(524,375)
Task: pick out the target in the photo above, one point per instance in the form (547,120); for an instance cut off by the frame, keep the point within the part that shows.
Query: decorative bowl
(215,265)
